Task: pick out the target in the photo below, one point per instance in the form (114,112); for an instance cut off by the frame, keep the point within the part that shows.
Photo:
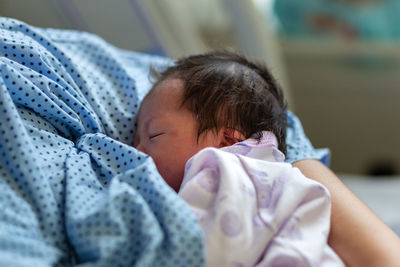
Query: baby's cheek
(171,171)
(174,134)
(163,165)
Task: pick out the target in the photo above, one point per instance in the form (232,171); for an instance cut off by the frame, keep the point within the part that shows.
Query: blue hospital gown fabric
(299,147)
(72,189)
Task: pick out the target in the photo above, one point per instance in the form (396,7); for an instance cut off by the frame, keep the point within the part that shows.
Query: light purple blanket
(256,210)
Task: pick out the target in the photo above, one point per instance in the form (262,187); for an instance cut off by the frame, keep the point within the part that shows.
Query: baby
(215,126)
(212,100)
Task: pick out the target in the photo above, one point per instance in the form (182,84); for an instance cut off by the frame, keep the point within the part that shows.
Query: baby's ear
(228,137)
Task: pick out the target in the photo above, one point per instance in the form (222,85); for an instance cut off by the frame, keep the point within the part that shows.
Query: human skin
(167,131)
(358,236)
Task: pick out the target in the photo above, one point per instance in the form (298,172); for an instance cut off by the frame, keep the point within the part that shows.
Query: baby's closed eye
(152,136)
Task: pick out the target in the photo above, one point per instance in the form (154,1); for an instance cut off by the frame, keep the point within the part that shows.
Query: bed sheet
(380,194)
(72,189)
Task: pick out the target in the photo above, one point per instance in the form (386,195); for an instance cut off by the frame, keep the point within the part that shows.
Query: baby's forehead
(169,91)
(166,96)
(169,85)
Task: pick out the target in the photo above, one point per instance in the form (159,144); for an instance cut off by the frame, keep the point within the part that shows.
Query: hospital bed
(89,118)
(380,194)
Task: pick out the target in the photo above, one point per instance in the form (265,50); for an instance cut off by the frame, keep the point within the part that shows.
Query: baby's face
(167,131)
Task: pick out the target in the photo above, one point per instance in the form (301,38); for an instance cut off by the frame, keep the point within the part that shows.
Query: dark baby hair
(224,89)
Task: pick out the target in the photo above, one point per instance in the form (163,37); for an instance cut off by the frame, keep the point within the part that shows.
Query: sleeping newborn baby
(215,126)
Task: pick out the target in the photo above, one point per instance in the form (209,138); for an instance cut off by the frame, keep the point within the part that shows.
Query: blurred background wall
(338,60)
(343,62)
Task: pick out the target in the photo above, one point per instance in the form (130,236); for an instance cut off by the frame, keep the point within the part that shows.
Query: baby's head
(209,100)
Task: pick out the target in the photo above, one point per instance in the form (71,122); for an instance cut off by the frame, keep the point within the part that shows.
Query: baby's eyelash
(155,135)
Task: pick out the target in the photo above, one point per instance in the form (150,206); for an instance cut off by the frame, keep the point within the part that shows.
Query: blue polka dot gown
(72,189)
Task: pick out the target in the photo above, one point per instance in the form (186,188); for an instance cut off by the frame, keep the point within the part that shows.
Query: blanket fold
(72,189)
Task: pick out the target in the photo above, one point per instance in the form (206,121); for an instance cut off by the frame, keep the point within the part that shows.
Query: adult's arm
(358,236)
